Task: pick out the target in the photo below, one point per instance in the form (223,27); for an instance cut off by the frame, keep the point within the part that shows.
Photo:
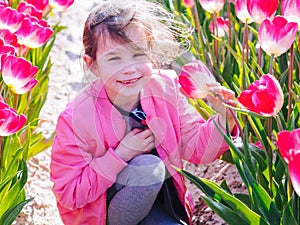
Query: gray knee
(143,170)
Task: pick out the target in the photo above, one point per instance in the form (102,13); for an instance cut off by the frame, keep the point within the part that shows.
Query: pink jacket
(83,162)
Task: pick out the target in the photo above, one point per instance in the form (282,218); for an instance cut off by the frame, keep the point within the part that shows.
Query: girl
(117,142)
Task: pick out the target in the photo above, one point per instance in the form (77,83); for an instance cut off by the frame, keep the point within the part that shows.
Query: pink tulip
(189,3)
(10,121)
(60,4)
(194,78)
(260,10)
(3,3)
(29,9)
(222,26)
(18,73)
(212,6)
(290,9)
(242,12)
(289,147)
(10,18)
(277,36)
(263,96)
(6,48)
(32,34)
(8,37)
(42,5)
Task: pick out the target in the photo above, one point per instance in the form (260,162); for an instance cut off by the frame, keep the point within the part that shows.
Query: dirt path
(65,81)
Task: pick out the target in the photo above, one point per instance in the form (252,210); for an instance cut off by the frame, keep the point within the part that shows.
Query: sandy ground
(65,81)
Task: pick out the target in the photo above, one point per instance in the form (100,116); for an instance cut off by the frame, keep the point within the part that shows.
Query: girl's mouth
(130,81)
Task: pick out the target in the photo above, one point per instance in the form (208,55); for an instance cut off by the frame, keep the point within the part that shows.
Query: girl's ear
(89,62)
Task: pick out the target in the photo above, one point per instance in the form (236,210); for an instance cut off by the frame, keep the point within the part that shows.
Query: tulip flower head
(194,78)
(10,121)
(290,9)
(42,5)
(8,37)
(289,147)
(222,26)
(60,4)
(33,33)
(6,48)
(29,10)
(263,96)
(212,6)
(276,36)
(10,18)
(189,3)
(18,73)
(260,10)
(242,12)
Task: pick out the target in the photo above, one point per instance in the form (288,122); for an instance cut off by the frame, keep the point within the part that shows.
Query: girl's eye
(138,54)
(114,58)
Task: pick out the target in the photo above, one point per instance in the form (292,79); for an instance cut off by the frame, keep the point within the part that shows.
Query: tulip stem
(215,29)
(270,156)
(1,156)
(198,29)
(237,122)
(229,24)
(271,64)
(290,82)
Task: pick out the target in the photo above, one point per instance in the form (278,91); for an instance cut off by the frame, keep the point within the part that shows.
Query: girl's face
(123,68)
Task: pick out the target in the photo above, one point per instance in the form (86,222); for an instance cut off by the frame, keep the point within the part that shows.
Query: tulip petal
(264,96)
(294,168)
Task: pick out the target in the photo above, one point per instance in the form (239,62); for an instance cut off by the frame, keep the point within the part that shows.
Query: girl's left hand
(220,95)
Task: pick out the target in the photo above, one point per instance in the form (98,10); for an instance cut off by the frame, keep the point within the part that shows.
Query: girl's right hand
(135,143)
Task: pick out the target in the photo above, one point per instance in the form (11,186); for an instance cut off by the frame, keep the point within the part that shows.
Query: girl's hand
(135,143)
(220,95)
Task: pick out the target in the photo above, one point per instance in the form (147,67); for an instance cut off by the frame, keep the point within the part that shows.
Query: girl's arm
(80,178)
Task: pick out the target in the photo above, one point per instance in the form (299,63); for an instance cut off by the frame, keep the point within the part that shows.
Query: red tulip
(32,34)
(29,10)
(290,9)
(212,6)
(222,26)
(60,4)
(10,18)
(6,48)
(289,147)
(242,12)
(189,3)
(260,10)
(276,36)
(18,73)
(263,96)
(194,78)
(10,121)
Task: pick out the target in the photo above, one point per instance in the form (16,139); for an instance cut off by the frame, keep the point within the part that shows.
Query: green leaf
(224,201)
(11,214)
(228,215)
(288,216)
(261,198)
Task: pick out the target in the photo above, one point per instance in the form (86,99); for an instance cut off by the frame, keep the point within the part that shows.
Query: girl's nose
(130,69)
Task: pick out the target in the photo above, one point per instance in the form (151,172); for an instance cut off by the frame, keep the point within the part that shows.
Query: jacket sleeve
(201,141)
(79,177)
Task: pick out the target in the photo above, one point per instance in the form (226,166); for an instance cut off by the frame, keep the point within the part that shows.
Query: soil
(65,80)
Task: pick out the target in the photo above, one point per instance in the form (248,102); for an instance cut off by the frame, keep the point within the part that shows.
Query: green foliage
(270,198)
(16,149)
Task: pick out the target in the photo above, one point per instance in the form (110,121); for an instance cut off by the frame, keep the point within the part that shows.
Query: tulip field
(250,46)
